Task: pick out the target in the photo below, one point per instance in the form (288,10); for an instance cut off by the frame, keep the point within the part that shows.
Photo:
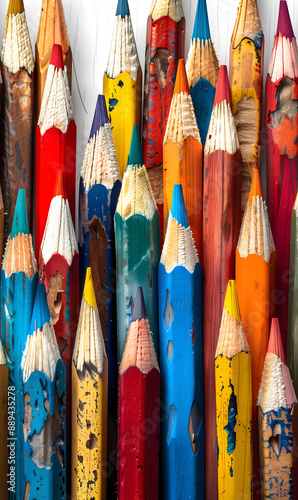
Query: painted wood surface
(4,425)
(292,337)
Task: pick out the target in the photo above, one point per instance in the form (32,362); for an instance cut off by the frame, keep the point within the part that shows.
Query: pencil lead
(231,301)
(135,156)
(59,186)
(275,343)
(20,218)
(284,25)
(41,313)
(57,56)
(122,8)
(201,29)
(100,115)
(181,84)
(178,210)
(256,186)
(139,310)
(89,293)
(222,88)
(15,7)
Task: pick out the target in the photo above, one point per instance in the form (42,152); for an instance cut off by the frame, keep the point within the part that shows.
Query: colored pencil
(89,402)
(137,244)
(277,412)
(122,84)
(1,223)
(165,45)
(221,224)
(19,279)
(59,269)
(182,156)
(292,337)
(202,70)
(44,407)
(6,424)
(17,65)
(99,191)
(255,262)
(52,30)
(233,403)
(282,151)
(139,407)
(246,81)
(55,143)
(181,362)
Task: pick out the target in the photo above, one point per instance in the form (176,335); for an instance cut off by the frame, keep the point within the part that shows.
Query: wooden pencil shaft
(292,337)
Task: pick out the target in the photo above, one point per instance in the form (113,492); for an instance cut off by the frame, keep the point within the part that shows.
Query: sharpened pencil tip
(178,210)
(100,115)
(135,156)
(222,88)
(275,343)
(20,218)
(181,84)
(122,8)
(15,7)
(284,25)
(89,293)
(256,186)
(57,56)
(139,310)
(231,301)
(201,28)
(41,313)
(59,186)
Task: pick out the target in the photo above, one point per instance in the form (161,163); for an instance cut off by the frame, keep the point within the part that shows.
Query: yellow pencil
(4,422)
(233,403)
(89,402)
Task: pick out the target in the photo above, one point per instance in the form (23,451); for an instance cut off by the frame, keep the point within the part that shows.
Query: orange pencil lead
(181,84)
(256,186)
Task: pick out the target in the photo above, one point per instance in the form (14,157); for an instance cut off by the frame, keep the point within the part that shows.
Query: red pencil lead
(284,26)
(275,343)
(222,88)
(57,56)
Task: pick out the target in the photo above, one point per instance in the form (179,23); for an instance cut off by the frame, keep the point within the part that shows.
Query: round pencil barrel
(292,337)
(5,422)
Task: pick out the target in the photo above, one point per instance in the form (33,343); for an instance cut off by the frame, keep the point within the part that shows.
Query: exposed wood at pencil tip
(52,27)
(171,8)
(248,24)
(139,349)
(222,134)
(202,62)
(179,247)
(136,196)
(19,256)
(182,121)
(41,352)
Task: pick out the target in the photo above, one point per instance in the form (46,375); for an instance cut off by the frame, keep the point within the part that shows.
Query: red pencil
(282,151)
(139,399)
(221,225)
(55,143)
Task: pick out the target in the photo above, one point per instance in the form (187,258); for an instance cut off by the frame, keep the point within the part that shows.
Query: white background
(90,24)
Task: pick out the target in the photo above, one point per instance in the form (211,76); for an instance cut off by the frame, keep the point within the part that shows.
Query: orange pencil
(255,264)
(182,156)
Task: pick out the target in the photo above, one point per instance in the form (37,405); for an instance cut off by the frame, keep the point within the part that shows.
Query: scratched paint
(182,430)
(44,424)
(229,428)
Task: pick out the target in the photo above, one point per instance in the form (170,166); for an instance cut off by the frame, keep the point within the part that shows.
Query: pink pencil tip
(275,343)
(222,88)
(284,25)
(57,56)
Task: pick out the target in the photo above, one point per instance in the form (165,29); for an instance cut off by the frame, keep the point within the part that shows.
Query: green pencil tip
(20,218)
(135,156)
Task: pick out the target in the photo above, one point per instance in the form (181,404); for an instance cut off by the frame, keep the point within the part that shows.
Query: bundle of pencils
(181,363)
(19,279)
(5,423)
(221,224)
(59,269)
(202,70)
(233,403)
(137,244)
(277,422)
(246,80)
(52,30)
(255,264)
(89,402)
(44,407)
(165,45)
(55,143)
(282,151)
(17,64)
(122,84)
(182,156)
(139,406)
(292,337)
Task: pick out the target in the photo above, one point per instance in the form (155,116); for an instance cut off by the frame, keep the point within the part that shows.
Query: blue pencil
(180,334)
(19,279)
(44,392)
(202,70)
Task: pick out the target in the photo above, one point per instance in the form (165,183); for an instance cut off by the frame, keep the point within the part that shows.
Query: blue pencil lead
(178,210)
(122,8)
(135,156)
(41,313)
(201,28)
(139,310)
(20,218)
(100,115)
